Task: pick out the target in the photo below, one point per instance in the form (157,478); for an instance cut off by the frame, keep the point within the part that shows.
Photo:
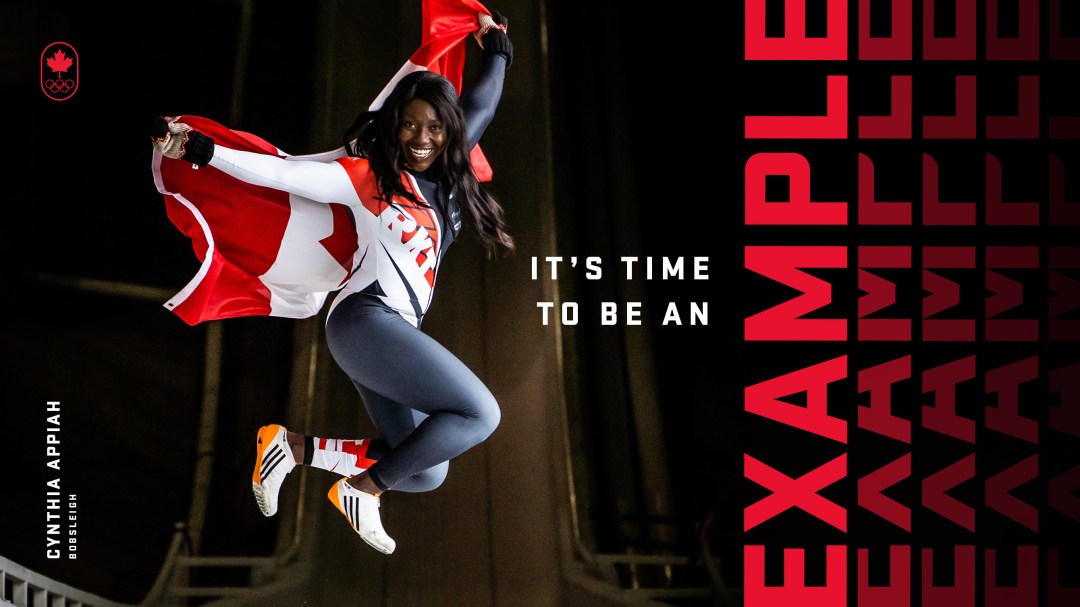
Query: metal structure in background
(173,586)
(21,587)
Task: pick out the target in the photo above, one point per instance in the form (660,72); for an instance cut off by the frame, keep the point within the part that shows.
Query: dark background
(644,163)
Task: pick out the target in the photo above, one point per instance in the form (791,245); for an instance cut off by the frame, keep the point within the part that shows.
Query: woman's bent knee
(489,416)
(432,478)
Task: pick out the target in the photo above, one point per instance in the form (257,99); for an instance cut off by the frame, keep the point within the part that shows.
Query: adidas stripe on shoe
(273,462)
(362,511)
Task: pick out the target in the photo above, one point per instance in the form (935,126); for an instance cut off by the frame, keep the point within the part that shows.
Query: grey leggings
(428,406)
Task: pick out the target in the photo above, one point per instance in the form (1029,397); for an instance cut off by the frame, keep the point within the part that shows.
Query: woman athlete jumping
(408,182)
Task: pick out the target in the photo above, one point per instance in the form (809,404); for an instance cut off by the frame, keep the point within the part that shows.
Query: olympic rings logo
(59,71)
(59,86)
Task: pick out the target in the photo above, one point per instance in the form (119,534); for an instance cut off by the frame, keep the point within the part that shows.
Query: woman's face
(422,135)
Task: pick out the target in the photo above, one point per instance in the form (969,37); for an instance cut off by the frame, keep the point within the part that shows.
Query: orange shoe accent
(273,462)
(263,442)
(333,496)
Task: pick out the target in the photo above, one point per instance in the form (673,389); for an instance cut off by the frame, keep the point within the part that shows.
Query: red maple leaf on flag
(58,62)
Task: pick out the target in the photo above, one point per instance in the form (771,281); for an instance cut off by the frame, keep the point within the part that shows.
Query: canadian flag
(266,252)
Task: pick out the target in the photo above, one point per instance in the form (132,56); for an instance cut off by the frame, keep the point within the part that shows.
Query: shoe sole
(260,499)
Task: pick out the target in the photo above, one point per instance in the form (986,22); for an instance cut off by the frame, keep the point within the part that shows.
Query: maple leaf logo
(59,63)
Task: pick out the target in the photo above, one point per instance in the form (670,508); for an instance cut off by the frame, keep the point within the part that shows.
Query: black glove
(198,149)
(496,42)
(178,141)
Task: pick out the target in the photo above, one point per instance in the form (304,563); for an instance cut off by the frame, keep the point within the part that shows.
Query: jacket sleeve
(319,181)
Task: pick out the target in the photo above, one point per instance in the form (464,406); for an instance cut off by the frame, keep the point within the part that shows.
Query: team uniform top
(400,242)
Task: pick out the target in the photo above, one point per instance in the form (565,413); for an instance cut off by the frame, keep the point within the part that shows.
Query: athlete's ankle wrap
(309,449)
(378,482)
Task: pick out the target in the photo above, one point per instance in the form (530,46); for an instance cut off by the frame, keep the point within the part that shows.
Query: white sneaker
(362,510)
(273,462)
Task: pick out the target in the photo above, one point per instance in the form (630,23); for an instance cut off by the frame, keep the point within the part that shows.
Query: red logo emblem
(59,71)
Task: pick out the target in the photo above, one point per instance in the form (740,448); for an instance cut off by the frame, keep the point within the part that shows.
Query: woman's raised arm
(479,102)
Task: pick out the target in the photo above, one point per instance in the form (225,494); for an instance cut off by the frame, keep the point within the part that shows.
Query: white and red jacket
(398,242)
